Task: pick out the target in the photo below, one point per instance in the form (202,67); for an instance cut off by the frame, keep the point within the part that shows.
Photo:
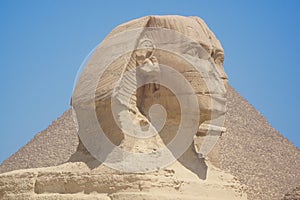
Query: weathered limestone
(198,59)
(77,181)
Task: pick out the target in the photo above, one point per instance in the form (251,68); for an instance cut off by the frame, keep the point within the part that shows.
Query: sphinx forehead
(192,27)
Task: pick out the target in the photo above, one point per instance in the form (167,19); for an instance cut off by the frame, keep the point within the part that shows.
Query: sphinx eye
(192,52)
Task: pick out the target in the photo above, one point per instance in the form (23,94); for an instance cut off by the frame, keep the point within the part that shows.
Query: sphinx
(154,82)
(149,107)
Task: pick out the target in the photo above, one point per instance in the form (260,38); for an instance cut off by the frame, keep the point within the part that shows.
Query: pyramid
(257,155)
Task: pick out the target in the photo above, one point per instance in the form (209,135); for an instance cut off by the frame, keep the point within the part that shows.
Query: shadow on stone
(83,155)
(191,161)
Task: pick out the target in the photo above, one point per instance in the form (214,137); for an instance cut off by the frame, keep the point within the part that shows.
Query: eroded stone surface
(77,181)
(141,64)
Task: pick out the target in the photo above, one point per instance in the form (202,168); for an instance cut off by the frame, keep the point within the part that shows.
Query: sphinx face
(147,95)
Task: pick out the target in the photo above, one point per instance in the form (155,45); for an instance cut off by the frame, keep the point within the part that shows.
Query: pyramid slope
(256,153)
(50,147)
(251,150)
(293,195)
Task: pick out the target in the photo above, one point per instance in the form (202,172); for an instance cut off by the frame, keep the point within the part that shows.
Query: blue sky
(42,44)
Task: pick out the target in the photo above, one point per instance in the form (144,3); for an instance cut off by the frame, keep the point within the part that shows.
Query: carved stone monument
(149,106)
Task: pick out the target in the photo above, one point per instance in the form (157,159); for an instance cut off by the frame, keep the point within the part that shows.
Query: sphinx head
(178,100)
